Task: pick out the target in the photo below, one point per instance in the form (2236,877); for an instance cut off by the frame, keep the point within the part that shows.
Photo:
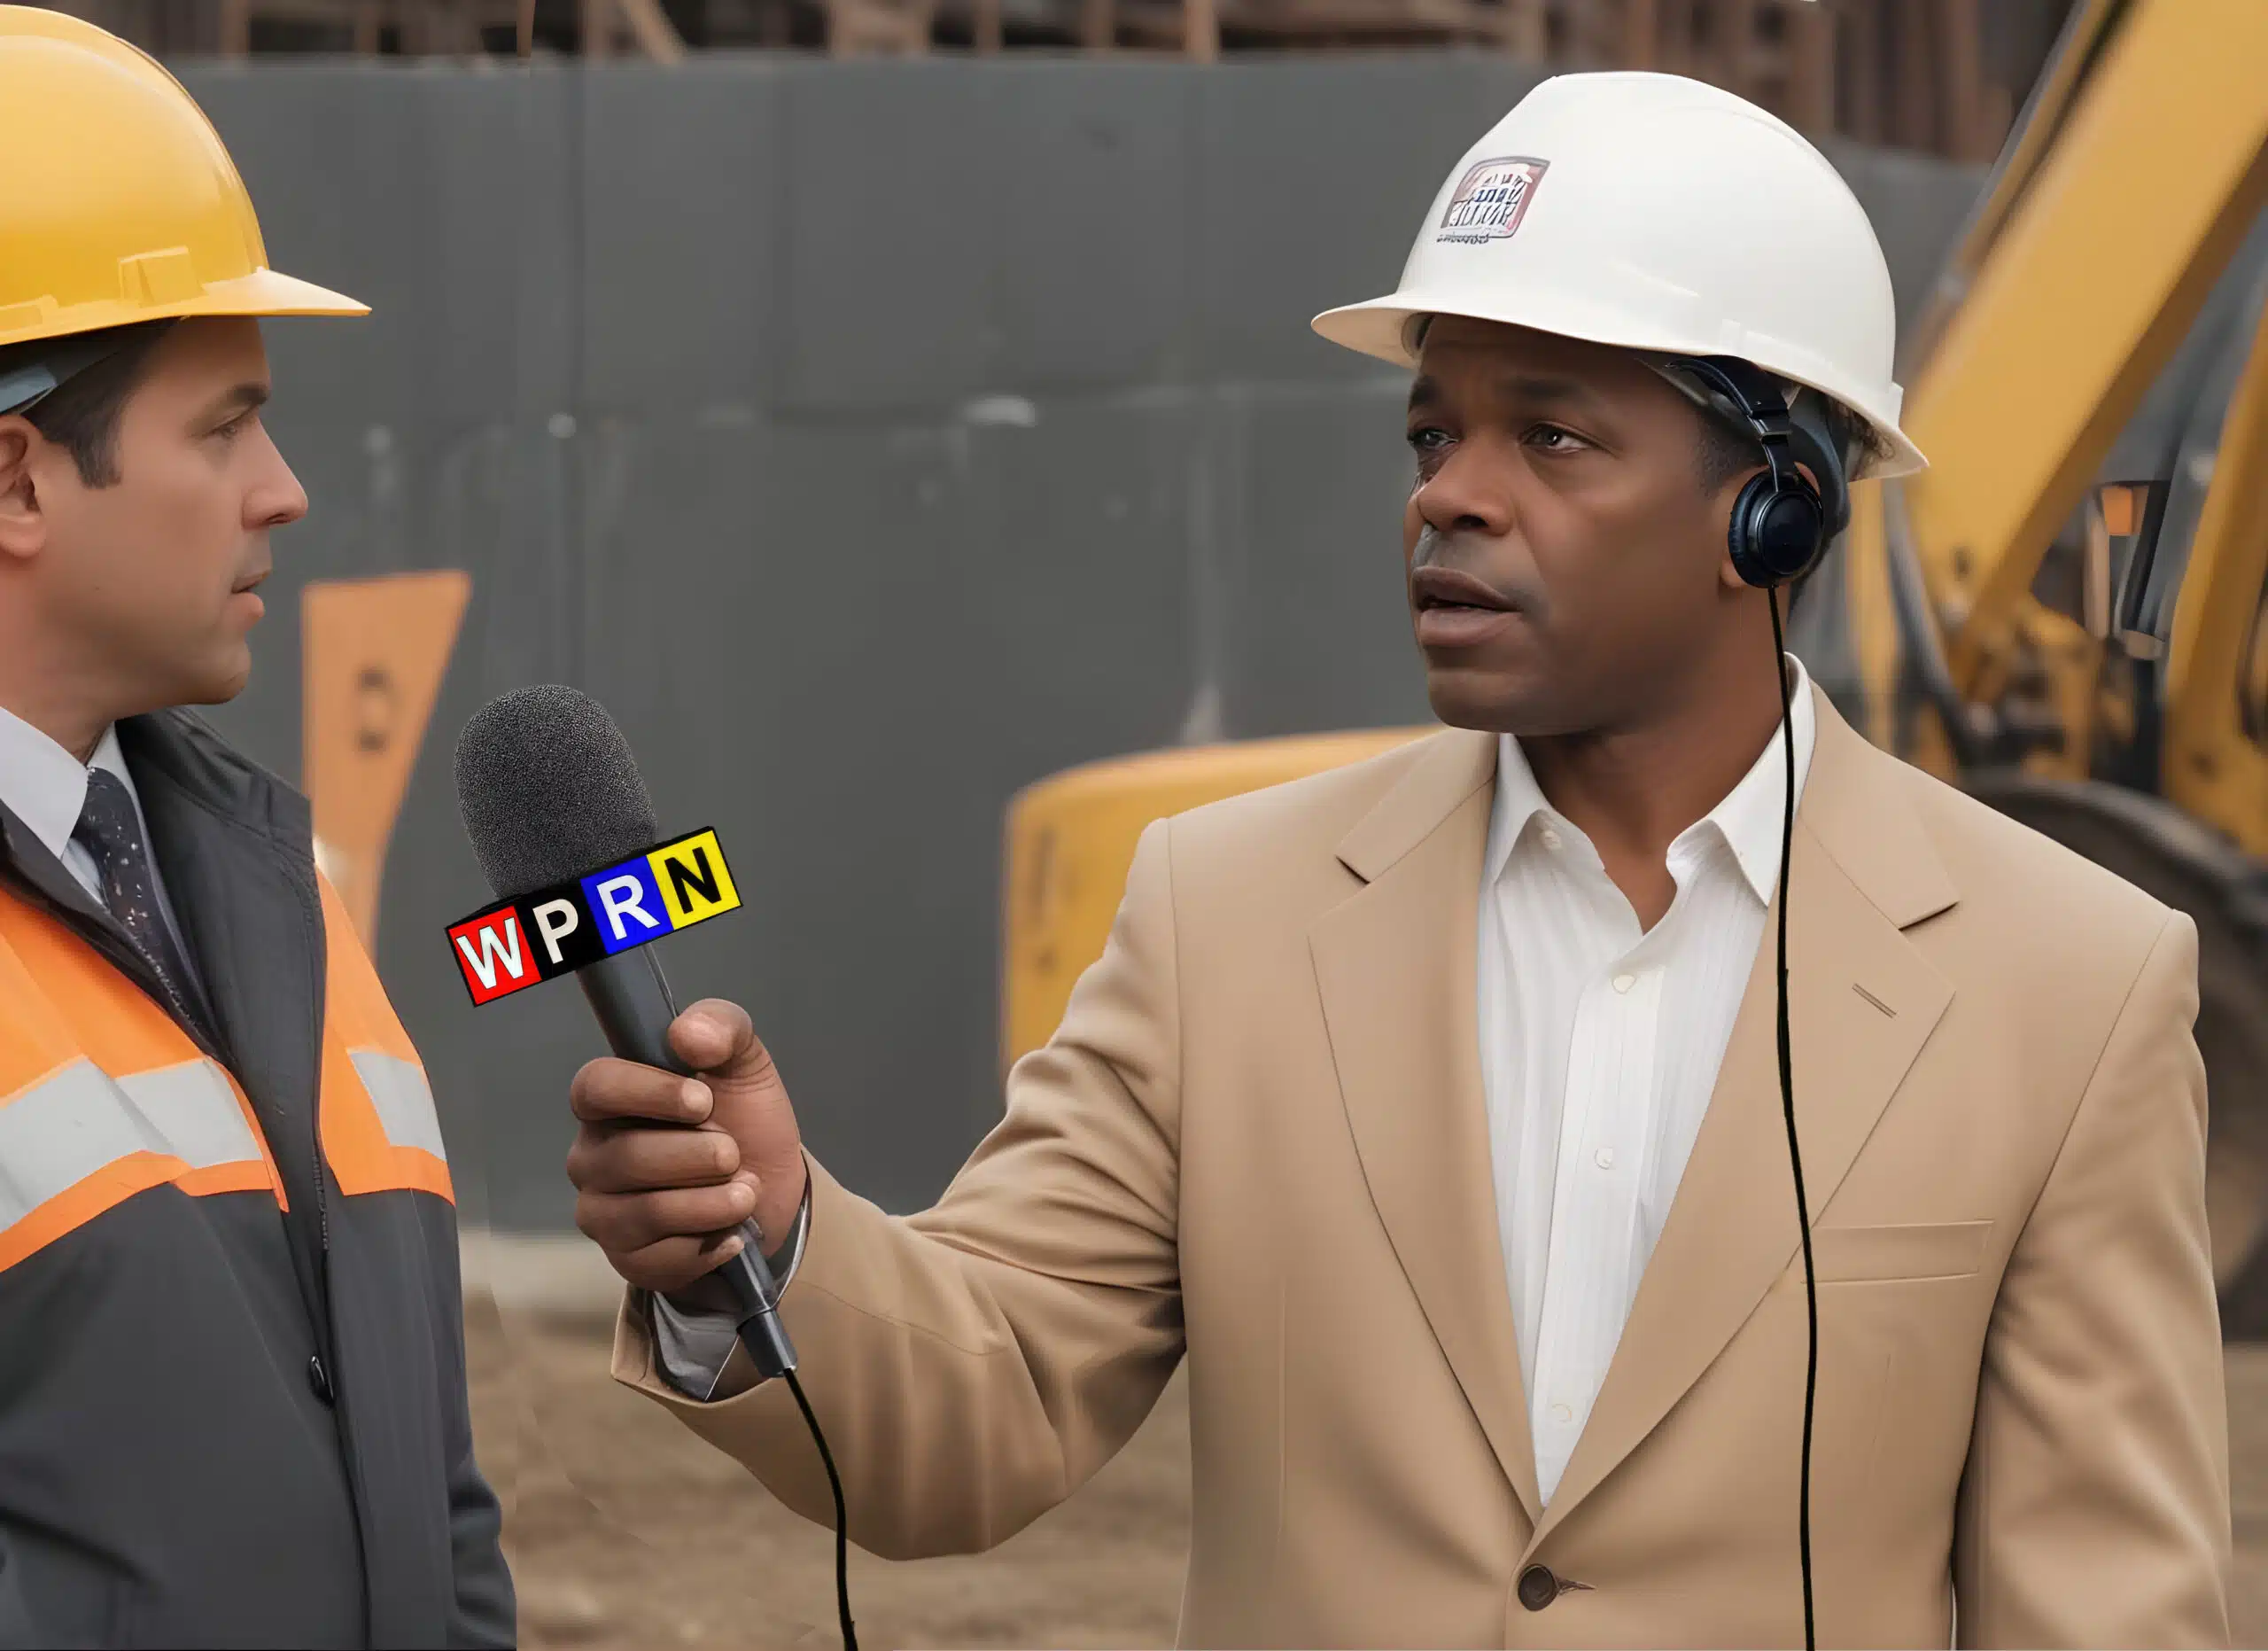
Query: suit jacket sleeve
(2095,1506)
(973,1365)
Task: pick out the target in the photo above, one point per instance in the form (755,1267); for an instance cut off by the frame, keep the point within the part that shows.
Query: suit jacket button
(319,1379)
(1538,1587)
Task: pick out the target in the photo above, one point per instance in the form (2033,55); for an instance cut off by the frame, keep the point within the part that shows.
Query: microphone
(547,790)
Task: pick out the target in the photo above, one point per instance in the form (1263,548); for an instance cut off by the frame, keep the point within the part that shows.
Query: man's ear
(23,522)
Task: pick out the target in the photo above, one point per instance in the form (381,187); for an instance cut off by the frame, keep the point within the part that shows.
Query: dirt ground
(626,1532)
(582,1464)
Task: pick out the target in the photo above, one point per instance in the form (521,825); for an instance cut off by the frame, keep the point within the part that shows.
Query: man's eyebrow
(1543,387)
(1529,388)
(243,398)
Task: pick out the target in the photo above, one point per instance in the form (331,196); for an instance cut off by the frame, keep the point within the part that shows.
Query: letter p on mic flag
(552,931)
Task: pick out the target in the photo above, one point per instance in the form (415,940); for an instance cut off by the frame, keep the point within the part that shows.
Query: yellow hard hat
(131,209)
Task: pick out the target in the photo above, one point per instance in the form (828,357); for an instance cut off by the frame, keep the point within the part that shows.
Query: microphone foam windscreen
(548,790)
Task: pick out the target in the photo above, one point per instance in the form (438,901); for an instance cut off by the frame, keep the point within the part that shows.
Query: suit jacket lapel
(47,875)
(1395,967)
(1861,1002)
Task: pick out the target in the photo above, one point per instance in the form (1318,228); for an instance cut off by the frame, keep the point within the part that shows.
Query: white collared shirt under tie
(1599,1049)
(46,787)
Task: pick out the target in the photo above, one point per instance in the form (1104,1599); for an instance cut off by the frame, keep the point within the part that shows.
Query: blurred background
(882,406)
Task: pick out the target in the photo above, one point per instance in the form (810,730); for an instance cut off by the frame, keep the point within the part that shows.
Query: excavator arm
(2141,165)
(2091,372)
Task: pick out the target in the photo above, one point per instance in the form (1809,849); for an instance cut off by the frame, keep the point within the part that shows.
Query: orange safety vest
(103,1095)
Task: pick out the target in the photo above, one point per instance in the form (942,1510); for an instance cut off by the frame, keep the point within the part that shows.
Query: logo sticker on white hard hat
(1491,198)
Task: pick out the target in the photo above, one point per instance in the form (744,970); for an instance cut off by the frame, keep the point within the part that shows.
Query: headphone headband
(1757,396)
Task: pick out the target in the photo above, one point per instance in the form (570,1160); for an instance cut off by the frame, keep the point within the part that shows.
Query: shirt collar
(45,785)
(1748,819)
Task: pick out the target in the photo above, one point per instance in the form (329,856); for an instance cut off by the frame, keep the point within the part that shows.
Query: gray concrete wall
(871,439)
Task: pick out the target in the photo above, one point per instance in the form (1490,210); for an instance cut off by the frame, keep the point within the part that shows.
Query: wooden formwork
(1946,76)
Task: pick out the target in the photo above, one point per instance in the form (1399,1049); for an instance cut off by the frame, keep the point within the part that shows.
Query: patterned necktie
(111,832)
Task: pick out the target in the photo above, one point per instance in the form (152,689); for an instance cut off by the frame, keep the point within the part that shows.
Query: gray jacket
(221,1424)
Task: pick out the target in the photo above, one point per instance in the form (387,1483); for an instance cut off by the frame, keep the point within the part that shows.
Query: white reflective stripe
(195,1112)
(67,1127)
(403,1101)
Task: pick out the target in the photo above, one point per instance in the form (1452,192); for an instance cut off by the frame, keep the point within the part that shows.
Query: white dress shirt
(1599,1048)
(45,787)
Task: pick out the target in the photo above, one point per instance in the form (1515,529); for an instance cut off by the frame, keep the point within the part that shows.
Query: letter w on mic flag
(550,931)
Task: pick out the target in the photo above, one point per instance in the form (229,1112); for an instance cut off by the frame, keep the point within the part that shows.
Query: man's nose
(279,500)
(1468,493)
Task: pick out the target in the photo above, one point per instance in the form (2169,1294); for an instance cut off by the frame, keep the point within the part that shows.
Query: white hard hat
(1661,215)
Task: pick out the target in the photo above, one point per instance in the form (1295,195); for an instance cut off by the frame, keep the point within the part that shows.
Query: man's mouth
(248,581)
(1437,587)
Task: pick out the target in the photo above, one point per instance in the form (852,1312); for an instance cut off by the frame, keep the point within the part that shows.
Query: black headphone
(1781,524)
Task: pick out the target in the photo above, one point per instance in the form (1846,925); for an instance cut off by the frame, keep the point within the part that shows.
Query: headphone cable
(1788,1104)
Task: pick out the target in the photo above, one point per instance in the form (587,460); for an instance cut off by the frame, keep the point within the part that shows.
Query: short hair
(1726,449)
(82,414)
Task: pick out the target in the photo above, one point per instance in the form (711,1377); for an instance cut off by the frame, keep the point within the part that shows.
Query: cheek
(158,549)
(1634,567)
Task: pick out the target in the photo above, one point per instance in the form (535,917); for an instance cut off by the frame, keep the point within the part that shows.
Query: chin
(217,684)
(1494,701)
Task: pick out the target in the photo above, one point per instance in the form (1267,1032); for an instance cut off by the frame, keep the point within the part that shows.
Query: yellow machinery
(2067,614)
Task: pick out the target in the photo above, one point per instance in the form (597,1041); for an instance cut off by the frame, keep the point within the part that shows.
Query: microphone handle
(632,1000)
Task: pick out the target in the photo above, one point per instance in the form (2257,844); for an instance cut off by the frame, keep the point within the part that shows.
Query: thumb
(748,1102)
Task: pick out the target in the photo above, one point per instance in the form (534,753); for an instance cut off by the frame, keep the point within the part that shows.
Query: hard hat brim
(1380,328)
(272,292)
(261,292)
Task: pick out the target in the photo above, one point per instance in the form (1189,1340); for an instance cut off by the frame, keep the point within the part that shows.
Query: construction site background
(1008,347)
(1946,77)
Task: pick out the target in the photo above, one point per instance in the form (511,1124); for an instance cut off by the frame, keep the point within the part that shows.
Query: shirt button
(1551,841)
(1562,1414)
(1605,1158)
(1623,983)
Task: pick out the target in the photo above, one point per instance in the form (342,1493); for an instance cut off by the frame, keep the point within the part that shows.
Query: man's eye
(1431,438)
(1553,438)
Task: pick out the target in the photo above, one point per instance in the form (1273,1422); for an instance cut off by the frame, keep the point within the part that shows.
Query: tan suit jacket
(1258,1139)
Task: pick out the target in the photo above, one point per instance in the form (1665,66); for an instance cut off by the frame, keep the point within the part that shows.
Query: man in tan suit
(1429,1107)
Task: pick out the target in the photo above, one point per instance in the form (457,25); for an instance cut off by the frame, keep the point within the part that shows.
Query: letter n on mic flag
(552,931)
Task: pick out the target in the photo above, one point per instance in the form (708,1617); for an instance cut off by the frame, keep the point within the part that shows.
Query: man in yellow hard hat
(232,1393)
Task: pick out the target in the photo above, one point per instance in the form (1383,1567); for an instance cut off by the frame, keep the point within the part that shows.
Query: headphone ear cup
(1740,532)
(1776,533)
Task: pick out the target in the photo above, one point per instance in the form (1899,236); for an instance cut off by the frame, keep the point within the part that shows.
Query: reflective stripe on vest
(79,1141)
(379,1128)
(103,1095)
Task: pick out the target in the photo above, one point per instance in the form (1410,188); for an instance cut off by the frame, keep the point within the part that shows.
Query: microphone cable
(1788,1105)
(841,1520)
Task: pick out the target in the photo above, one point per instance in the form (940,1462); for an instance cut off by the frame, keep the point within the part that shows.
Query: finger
(620,1157)
(622,1224)
(674,1263)
(608,1089)
(715,1035)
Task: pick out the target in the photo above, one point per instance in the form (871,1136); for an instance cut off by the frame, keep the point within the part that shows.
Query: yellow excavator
(2067,614)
